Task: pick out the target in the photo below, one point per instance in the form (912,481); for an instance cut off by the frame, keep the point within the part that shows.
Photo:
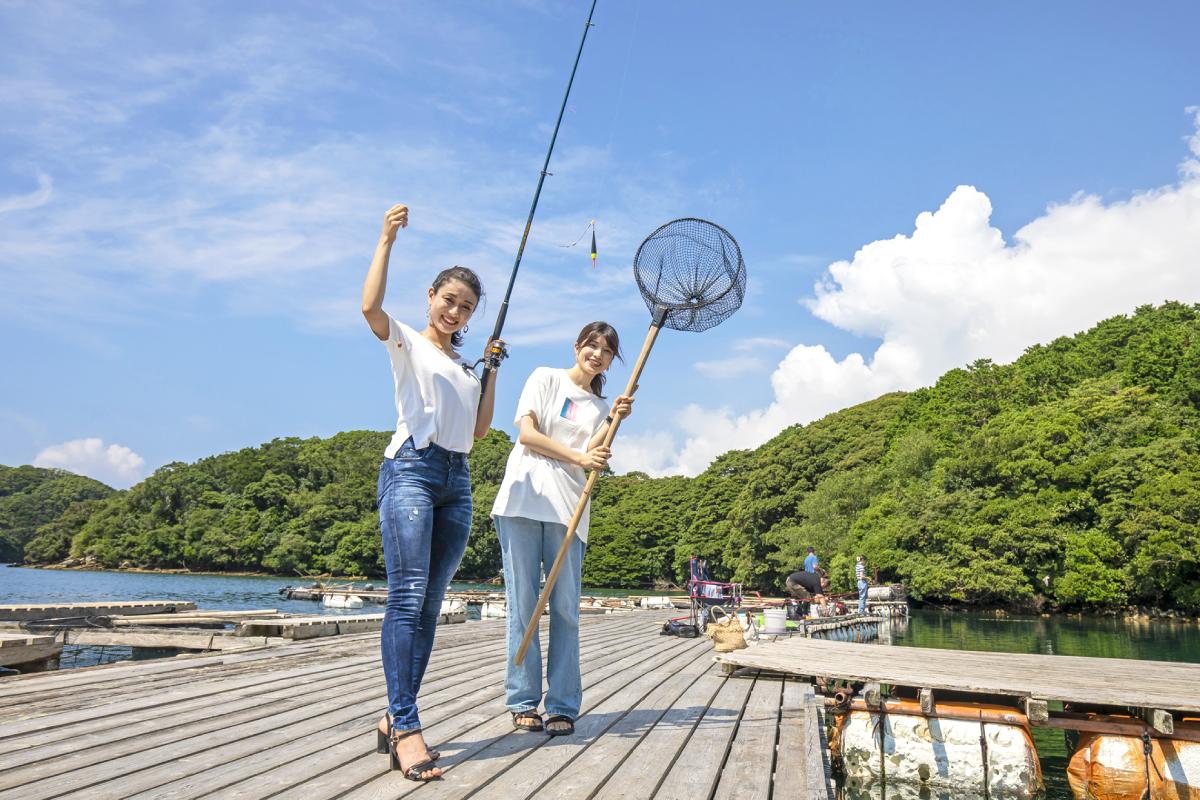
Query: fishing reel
(496,352)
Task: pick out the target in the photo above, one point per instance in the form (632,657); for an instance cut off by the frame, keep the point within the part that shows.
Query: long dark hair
(469,279)
(600,330)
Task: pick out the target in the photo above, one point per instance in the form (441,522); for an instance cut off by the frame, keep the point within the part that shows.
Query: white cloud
(113,464)
(759,343)
(955,291)
(38,197)
(722,368)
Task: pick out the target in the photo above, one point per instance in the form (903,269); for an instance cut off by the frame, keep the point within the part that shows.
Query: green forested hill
(1071,476)
(32,497)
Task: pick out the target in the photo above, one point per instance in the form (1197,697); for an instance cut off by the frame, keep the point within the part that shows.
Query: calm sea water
(1060,635)
(217,592)
(1105,637)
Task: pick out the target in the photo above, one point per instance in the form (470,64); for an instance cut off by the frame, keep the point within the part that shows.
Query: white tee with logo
(539,487)
(437,396)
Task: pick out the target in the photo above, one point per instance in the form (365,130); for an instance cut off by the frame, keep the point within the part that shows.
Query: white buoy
(938,754)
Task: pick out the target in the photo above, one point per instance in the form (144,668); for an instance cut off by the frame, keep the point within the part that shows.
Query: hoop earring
(464,330)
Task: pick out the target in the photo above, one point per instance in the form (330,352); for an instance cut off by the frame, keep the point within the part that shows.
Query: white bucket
(774,620)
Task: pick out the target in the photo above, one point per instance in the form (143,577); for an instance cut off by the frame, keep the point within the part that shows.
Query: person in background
(811,562)
(860,576)
(808,585)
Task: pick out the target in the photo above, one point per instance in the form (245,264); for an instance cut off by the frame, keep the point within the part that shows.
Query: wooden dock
(28,612)
(1156,688)
(660,720)
(24,648)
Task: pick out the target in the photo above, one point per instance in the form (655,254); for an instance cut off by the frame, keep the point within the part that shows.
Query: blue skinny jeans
(529,548)
(425,520)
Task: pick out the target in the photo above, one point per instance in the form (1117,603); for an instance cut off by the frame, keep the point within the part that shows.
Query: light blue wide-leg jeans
(425,520)
(529,548)
(862,597)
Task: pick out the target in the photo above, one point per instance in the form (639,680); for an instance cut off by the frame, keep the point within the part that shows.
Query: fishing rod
(496,351)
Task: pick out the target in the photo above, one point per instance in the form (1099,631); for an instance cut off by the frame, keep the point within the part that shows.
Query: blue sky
(190,194)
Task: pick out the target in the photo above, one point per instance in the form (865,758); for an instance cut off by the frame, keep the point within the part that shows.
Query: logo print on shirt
(570,409)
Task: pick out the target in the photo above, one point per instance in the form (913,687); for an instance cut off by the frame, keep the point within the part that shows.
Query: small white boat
(493,610)
(453,611)
(342,601)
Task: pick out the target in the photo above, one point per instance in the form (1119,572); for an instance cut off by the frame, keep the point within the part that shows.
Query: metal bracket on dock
(927,702)
(1037,710)
(1162,721)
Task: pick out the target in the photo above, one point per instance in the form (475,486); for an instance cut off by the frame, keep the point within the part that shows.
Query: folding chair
(705,593)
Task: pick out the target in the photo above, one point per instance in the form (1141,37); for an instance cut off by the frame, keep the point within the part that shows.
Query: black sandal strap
(553,718)
(533,720)
(413,773)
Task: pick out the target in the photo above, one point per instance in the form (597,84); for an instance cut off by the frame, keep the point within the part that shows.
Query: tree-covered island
(1069,478)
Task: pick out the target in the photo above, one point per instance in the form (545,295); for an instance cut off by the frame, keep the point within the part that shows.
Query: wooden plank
(171,639)
(149,762)
(748,767)
(593,769)
(155,743)
(483,728)
(493,746)
(566,756)
(310,627)
(450,681)
(1104,681)
(792,761)
(24,640)
(697,766)
(282,688)
(252,775)
(29,654)
(165,722)
(25,612)
(800,768)
(445,698)
(640,773)
(198,617)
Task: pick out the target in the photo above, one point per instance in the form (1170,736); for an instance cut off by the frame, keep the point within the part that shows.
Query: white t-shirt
(437,396)
(537,486)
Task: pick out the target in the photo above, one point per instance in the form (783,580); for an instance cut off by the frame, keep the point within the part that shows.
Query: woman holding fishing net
(424,488)
(562,419)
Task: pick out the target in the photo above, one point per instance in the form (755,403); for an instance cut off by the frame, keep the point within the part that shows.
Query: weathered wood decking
(1101,681)
(25,612)
(19,647)
(297,720)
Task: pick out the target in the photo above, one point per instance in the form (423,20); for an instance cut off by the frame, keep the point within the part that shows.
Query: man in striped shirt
(860,575)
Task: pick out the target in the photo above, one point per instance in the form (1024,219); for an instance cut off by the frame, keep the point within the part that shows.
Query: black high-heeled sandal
(414,772)
(381,741)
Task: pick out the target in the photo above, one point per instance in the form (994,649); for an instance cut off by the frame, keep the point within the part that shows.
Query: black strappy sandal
(567,731)
(413,773)
(533,720)
(381,740)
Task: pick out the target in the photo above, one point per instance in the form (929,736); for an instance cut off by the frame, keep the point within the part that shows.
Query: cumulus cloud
(113,464)
(953,291)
